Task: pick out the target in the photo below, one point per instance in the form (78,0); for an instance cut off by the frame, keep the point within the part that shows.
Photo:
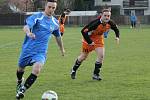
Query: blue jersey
(35,49)
(43,27)
(133,18)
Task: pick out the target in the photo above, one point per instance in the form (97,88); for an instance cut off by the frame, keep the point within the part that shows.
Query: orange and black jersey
(94,25)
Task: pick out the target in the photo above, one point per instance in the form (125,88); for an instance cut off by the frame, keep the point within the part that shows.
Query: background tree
(64,4)
(4,8)
(36,5)
(79,5)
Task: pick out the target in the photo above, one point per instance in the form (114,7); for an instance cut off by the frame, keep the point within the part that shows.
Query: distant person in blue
(39,28)
(133,20)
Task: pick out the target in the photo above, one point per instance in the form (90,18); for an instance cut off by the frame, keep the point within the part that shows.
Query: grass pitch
(125,72)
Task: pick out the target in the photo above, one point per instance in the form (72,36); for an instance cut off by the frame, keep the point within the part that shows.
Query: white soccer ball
(49,95)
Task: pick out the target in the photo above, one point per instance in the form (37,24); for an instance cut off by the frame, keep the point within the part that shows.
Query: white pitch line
(9,44)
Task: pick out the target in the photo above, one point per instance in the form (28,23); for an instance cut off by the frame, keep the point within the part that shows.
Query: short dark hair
(106,10)
(63,15)
(51,0)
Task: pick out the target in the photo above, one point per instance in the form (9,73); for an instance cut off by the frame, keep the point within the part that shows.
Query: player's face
(50,8)
(106,16)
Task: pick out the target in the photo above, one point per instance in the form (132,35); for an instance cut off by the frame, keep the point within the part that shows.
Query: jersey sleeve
(114,27)
(91,26)
(31,20)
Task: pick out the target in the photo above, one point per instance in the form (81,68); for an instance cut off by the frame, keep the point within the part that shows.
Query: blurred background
(13,12)
(126,70)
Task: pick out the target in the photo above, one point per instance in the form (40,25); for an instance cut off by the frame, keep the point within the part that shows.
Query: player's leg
(77,64)
(98,63)
(19,74)
(20,71)
(20,79)
(23,60)
(132,25)
(37,61)
(86,49)
(31,79)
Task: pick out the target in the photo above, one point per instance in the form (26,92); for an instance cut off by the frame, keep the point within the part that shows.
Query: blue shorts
(30,59)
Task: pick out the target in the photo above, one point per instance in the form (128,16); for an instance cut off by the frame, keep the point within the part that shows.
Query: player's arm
(59,41)
(91,26)
(29,24)
(116,30)
(26,29)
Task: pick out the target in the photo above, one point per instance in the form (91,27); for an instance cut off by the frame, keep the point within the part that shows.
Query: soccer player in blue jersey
(39,28)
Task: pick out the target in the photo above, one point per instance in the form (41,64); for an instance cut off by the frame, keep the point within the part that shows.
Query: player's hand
(31,35)
(117,40)
(92,44)
(86,30)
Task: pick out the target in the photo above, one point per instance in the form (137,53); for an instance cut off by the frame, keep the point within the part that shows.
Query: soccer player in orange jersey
(62,19)
(93,39)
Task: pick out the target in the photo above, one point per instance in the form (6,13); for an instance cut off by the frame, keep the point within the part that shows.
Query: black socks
(19,76)
(76,65)
(30,80)
(98,65)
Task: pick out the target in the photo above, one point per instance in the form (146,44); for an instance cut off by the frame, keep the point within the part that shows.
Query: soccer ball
(49,95)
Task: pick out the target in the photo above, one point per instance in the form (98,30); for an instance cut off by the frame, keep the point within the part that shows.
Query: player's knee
(37,68)
(101,59)
(36,71)
(82,58)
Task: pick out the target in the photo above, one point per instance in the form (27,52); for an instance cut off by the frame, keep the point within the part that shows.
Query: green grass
(125,70)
